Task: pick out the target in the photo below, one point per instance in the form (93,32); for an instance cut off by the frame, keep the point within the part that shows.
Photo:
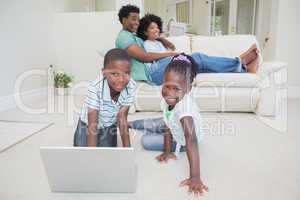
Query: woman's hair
(126,10)
(145,23)
(184,65)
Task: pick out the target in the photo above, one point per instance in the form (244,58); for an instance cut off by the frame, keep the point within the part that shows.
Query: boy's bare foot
(253,66)
(250,55)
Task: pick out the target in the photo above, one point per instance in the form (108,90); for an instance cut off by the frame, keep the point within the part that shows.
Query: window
(183,12)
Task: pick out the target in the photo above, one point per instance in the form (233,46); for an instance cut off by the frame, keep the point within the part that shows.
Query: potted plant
(62,82)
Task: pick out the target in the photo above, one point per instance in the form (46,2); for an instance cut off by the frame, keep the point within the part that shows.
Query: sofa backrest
(228,45)
(182,43)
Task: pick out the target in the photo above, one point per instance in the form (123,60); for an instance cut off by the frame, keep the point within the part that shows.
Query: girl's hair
(184,65)
(145,23)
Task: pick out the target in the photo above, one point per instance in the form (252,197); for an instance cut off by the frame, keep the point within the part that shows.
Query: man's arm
(92,127)
(123,125)
(140,54)
(167,43)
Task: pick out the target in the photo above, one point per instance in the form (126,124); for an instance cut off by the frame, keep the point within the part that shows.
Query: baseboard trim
(294,92)
(8,102)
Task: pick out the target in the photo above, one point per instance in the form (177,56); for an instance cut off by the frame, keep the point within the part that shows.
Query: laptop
(90,169)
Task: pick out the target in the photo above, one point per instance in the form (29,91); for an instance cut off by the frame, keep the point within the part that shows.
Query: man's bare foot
(250,55)
(253,66)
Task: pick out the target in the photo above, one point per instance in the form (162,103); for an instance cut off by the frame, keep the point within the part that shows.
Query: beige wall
(288,38)
(82,40)
(26,42)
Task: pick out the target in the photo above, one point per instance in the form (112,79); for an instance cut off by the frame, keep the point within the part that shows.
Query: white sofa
(224,92)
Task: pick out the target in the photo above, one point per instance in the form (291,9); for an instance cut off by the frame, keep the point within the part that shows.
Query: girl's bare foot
(252,47)
(250,55)
(253,66)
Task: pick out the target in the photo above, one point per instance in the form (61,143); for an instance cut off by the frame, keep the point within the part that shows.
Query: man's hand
(164,157)
(195,185)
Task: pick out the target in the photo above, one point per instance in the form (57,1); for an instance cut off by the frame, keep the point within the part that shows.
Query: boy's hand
(164,157)
(195,185)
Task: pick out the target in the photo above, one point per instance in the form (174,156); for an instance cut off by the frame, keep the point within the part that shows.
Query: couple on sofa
(151,53)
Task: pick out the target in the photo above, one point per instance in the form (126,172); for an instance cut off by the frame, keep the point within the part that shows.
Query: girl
(181,121)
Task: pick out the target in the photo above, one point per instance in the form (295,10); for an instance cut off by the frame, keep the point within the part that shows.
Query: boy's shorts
(106,137)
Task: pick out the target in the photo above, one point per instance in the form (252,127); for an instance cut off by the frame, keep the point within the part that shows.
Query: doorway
(233,16)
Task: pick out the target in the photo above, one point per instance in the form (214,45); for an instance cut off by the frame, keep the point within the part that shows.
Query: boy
(107,104)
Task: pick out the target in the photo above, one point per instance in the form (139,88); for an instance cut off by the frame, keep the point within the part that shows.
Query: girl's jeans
(206,64)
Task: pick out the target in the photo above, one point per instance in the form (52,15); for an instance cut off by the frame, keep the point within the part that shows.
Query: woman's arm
(92,127)
(138,53)
(123,125)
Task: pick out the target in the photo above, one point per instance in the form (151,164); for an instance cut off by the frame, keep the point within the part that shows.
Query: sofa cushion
(227,80)
(148,98)
(182,43)
(226,46)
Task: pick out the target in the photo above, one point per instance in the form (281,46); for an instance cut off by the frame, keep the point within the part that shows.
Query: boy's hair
(186,67)
(116,54)
(145,23)
(126,10)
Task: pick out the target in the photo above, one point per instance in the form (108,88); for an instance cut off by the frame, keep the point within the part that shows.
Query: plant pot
(61,91)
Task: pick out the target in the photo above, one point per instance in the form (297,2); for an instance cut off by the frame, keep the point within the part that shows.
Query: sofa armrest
(266,68)
(273,77)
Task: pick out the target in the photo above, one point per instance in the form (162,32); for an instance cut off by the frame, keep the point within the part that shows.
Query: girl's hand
(167,43)
(195,185)
(172,53)
(164,157)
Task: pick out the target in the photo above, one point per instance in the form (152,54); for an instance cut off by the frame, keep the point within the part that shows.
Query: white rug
(13,132)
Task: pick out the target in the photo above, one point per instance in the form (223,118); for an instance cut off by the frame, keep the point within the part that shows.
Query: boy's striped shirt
(98,97)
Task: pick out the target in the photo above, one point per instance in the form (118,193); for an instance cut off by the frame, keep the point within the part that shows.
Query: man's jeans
(206,64)
(106,137)
(154,130)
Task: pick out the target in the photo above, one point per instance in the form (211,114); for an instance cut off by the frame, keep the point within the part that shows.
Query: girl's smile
(153,31)
(174,88)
